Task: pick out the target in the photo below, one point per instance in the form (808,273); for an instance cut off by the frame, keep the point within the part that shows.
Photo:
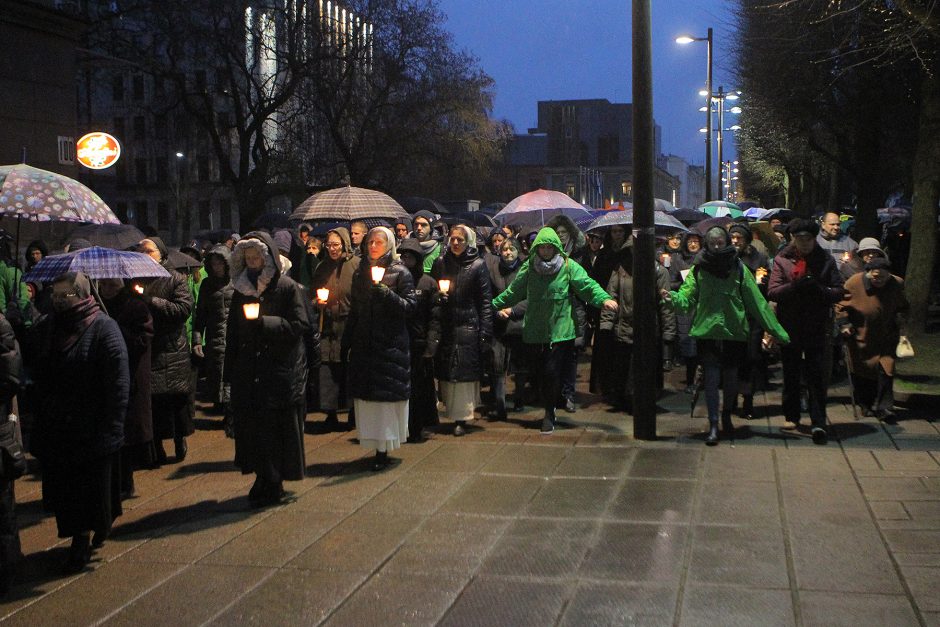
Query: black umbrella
(116,236)
(181,262)
(688,217)
(702,227)
(414,204)
(470,218)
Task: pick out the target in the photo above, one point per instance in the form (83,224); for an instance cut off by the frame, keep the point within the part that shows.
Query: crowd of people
(403,325)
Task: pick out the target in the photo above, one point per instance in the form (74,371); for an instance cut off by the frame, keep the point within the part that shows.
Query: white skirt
(460,399)
(382,425)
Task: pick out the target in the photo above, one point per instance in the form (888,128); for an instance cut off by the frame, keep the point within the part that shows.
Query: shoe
(747,408)
(79,555)
(160,453)
(726,425)
(819,436)
(459,430)
(256,493)
(548,426)
(712,438)
(380,461)
(889,417)
(495,416)
(667,365)
(331,423)
(181,449)
(790,425)
(97,540)
(518,405)
(570,406)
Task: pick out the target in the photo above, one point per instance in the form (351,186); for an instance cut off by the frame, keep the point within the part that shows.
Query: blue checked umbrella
(97,263)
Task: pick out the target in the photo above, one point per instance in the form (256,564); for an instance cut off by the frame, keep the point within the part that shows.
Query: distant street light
(687,39)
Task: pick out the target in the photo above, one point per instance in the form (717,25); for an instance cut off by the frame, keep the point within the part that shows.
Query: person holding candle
(376,336)
(466,314)
(266,364)
(335,274)
(547,279)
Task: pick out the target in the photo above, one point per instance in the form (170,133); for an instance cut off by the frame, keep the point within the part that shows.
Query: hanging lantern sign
(97,150)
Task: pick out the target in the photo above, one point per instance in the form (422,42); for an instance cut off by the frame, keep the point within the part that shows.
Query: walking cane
(848,369)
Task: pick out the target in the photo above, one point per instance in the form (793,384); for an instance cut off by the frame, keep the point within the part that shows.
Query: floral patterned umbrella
(41,196)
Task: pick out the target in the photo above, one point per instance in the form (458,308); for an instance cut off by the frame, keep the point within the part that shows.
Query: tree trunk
(926,196)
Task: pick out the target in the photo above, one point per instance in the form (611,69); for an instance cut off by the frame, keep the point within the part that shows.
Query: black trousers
(877,394)
(547,363)
(809,357)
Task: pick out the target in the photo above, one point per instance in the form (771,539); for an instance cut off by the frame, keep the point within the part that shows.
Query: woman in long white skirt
(376,335)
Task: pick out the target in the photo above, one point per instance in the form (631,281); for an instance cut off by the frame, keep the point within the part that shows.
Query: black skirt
(85,497)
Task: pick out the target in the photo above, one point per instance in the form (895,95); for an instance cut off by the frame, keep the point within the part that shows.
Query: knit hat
(878,263)
(743,230)
(283,240)
(803,225)
(427,215)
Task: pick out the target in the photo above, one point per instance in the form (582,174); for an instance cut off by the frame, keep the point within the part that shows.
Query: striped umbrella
(348,203)
(97,263)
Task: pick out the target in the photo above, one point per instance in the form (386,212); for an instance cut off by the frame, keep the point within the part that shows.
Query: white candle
(252,310)
(444,284)
(138,289)
(377,273)
(323,295)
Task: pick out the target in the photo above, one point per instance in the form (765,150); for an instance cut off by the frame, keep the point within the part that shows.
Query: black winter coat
(337,277)
(133,317)
(466,316)
(171,303)
(82,393)
(210,322)
(377,333)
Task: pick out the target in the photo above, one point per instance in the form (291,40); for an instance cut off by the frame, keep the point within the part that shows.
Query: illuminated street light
(687,39)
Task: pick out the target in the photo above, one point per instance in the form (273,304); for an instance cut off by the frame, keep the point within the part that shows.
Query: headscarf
(391,253)
(718,261)
(469,233)
(253,282)
(71,323)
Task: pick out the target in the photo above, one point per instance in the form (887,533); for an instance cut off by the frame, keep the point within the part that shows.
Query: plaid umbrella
(41,196)
(534,208)
(348,203)
(97,263)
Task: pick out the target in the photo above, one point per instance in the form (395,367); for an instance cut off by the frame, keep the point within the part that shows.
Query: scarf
(547,268)
(718,262)
(428,245)
(71,323)
(507,268)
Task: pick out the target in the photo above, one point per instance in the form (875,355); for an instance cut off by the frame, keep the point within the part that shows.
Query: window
(137,87)
(202,169)
(569,189)
(225,214)
(163,216)
(117,89)
(205,214)
(140,213)
(140,171)
(159,126)
(160,169)
(140,127)
(119,128)
(626,189)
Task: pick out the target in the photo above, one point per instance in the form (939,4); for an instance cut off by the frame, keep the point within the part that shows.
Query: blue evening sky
(560,49)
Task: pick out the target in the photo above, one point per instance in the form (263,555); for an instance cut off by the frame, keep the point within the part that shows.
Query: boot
(181,448)
(712,438)
(459,429)
(548,422)
(380,461)
(726,425)
(160,453)
(332,422)
(79,554)
(747,409)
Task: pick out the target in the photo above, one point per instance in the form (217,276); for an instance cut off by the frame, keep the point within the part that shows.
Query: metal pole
(721,127)
(646,361)
(708,122)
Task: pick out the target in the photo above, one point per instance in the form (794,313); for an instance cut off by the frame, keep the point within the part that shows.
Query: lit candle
(139,289)
(323,295)
(444,284)
(377,273)
(252,310)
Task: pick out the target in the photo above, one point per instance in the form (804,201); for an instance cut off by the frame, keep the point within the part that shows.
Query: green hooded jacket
(721,305)
(550,316)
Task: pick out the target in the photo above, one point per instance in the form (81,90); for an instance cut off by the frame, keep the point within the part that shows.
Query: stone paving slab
(509,527)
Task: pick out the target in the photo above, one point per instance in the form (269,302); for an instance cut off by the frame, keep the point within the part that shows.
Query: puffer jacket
(466,316)
(620,288)
(377,333)
(210,320)
(805,304)
(336,276)
(171,303)
(265,359)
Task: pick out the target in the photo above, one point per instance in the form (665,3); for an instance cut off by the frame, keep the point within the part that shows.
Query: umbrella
(747,204)
(663,205)
(181,262)
(272,220)
(534,208)
(348,203)
(414,204)
(756,213)
(662,221)
(41,196)
(97,263)
(702,227)
(117,236)
(782,213)
(470,218)
(688,216)
(720,208)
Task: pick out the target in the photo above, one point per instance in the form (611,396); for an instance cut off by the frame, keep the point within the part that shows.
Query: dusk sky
(558,49)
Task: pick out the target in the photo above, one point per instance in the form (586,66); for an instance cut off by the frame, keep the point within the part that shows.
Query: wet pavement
(505,526)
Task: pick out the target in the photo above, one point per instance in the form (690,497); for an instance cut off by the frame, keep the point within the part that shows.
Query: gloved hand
(381,290)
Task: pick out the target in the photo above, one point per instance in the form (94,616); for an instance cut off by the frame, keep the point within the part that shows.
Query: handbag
(904,349)
(12,457)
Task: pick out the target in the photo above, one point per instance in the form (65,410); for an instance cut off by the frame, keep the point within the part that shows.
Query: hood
(343,234)
(261,241)
(547,235)
(577,241)
(39,245)
(222,252)
(470,234)
(164,251)
(413,246)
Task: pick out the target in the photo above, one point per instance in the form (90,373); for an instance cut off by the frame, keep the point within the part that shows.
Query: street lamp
(687,39)
(720,98)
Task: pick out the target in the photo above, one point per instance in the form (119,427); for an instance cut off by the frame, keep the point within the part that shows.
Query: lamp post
(720,98)
(687,39)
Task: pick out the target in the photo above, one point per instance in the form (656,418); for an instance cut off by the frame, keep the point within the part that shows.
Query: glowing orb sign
(97,150)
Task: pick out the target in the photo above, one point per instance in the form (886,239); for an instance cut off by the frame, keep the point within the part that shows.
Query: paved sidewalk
(508,527)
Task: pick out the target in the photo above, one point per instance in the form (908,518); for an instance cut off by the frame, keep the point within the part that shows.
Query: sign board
(97,150)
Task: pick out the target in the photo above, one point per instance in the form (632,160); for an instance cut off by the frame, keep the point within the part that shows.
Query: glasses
(334,245)
(63,295)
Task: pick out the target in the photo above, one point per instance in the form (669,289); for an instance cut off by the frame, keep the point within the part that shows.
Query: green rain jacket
(721,305)
(550,316)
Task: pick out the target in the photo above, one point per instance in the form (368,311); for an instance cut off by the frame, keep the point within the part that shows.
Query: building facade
(691,192)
